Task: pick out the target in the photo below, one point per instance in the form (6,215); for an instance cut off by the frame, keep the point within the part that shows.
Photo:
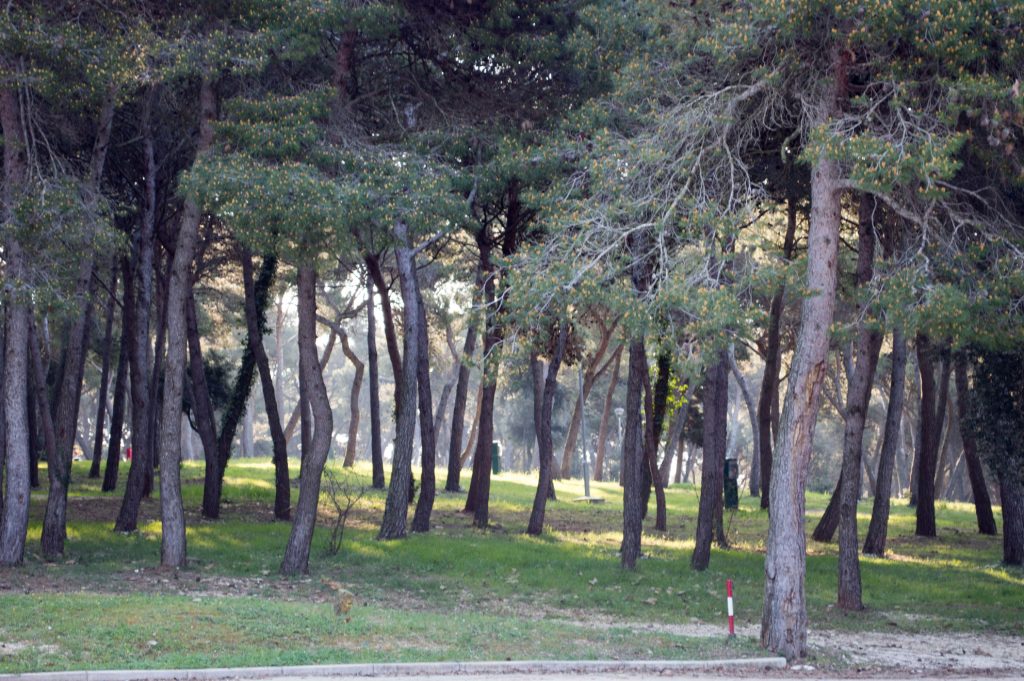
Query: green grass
(456,593)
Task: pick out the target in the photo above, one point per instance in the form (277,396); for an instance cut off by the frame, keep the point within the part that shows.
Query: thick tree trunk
(296,555)
(602,434)
(376,451)
(542,427)
(255,320)
(101,399)
(353,401)
(428,447)
(393,525)
(459,414)
(716,404)
(933,410)
(784,617)
(172,543)
(1011,492)
(979,489)
(632,456)
(874,542)
(767,403)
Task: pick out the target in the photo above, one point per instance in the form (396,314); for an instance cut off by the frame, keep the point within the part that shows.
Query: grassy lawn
(457,593)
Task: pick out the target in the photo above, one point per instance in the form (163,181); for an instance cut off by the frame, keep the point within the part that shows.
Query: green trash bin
(495,457)
(731,488)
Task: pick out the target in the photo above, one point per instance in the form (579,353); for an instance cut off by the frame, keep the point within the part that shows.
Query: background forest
(626,241)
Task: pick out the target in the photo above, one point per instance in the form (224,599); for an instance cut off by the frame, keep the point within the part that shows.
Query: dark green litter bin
(496,457)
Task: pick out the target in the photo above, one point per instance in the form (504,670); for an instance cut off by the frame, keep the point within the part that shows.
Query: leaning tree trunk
(784,617)
(393,525)
(602,434)
(255,321)
(874,542)
(542,427)
(428,449)
(979,489)
(179,285)
(101,399)
(1011,492)
(376,452)
(296,555)
(459,414)
(716,404)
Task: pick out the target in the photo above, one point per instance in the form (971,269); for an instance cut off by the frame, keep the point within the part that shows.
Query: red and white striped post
(732,619)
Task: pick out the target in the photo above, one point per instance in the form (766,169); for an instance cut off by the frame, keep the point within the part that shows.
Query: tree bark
(768,398)
(933,410)
(459,414)
(593,371)
(376,452)
(654,412)
(393,525)
(173,549)
(755,457)
(858,396)
(42,405)
(542,427)
(255,321)
(874,542)
(784,616)
(632,456)
(716,404)
(296,556)
(1011,492)
(204,416)
(353,418)
(101,399)
(120,389)
(428,448)
(979,489)
(602,434)
(390,335)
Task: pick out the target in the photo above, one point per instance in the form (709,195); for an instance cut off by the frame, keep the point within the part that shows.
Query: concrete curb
(412,669)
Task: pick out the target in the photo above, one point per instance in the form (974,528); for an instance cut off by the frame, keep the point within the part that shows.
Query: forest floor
(935,607)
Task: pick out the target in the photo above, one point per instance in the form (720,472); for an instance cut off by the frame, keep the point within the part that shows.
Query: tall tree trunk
(673,442)
(768,399)
(393,525)
(120,390)
(979,489)
(156,379)
(473,428)
(632,456)
(1011,492)
(602,433)
(654,417)
(41,402)
(874,542)
(390,334)
(101,399)
(784,616)
(428,449)
(3,421)
(179,285)
(542,427)
(858,396)
(296,555)
(485,402)
(353,400)
(255,322)
(139,295)
(933,410)
(204,416)
(716,404)
(376,451)
(325,358)
(459,414)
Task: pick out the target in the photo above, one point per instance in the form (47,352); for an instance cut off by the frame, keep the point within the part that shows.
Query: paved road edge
(411,669)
